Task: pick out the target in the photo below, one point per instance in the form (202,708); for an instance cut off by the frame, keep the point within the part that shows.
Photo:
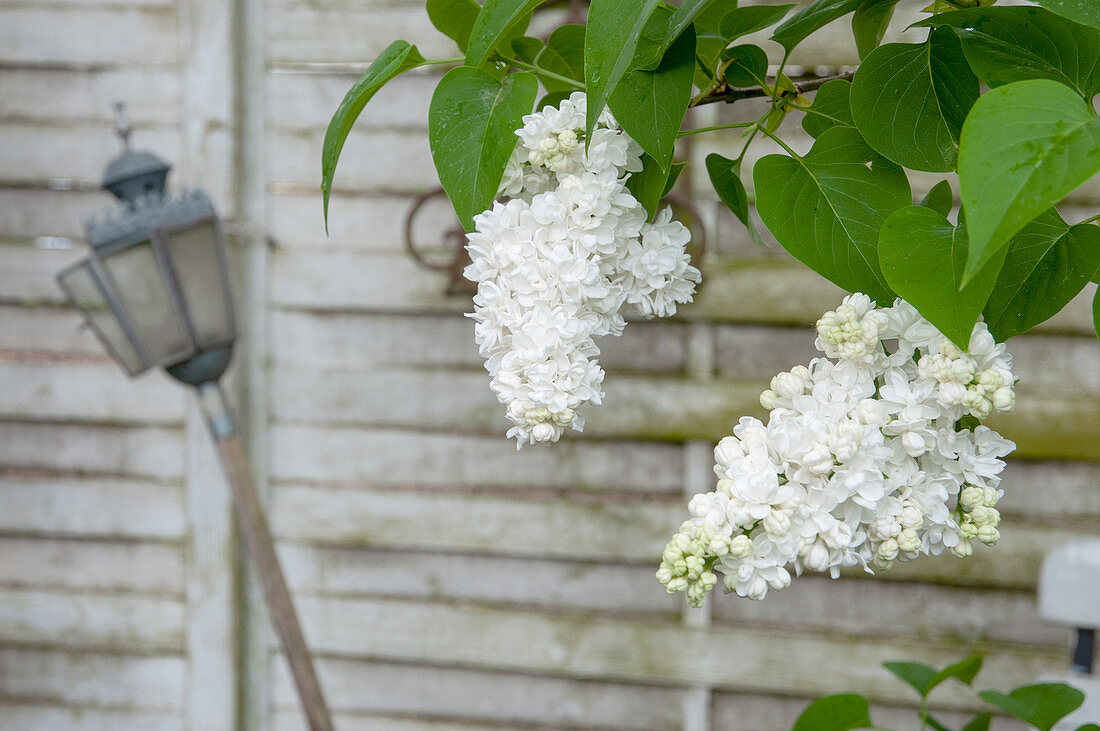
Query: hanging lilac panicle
(863,460)
(559,259)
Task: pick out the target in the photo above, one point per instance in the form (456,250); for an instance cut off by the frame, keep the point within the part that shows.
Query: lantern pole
(257,538)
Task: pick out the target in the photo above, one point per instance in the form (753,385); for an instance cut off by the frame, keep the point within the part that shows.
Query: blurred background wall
(445,581)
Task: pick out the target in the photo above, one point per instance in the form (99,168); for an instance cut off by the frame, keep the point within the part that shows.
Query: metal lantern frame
(153,219)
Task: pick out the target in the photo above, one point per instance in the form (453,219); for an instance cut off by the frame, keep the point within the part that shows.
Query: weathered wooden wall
(445,581)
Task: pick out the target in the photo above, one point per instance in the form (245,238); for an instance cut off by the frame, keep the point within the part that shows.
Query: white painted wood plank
(30,34)
(506,580)
(886,609)
(634,407)
(78,620)
(99,508)
(508,699)
(36,718)
(150,568)
(343,340)
(357,222)
(291,721)
(384,457)
(27,274)
(31,212)
(47,331)
(298,32)
(53,95)
(36,154)
(606,530)
(126,682)
(627,650)
(140,451)
(306,100)
(553,528)
(372,161)
(98,392)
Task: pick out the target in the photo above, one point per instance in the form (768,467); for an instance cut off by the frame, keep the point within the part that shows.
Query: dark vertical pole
(1083,649)
(257,539)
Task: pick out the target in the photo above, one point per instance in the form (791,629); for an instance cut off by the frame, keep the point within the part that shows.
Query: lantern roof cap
(133,173)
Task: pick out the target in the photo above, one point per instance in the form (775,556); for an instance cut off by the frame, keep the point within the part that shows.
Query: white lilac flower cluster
(557,260)
(871,455)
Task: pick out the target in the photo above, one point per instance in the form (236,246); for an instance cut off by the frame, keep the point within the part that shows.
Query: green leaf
(809,19)
(751,18)
(471,124)
(828,207)
(614,27)
(869,24)
(1024,147)
(650,105)
(909,101)
(709,40)
(527,48)
(678,22)
(552,99)
(1010,44)
(725,176)
(1083,11)
(454,19)
(913,673)
(934,723)
(965,670)
(745,65)
(980,722)
(939,198)
(831,107)
(1048,264)
(398,57)
(497,20)
(544,59)
(1085,727)
(1042,705)
(1096,313)
(651,184)
(835,713)
(567,41)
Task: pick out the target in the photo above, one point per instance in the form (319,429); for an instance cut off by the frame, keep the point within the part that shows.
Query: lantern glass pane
(144,292)
(203,282)
(84,294)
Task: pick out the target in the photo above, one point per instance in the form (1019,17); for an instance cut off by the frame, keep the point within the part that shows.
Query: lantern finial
(122,124)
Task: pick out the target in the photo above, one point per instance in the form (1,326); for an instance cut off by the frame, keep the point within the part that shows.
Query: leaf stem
(1089,220)
(543,72)
(780,142)
(733,125)
(438,61)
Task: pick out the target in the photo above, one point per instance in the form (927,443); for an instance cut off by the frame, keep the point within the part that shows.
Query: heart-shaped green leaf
(497,20)
(1042,705)
(828,207)
(909,101)
(832,107)
(940,198)
(841,712)
(1024,146)
(650,105)
(922,256)
(454,19)
(725,176)
(979,722)
(471,130)
(813,16)
(567,42)
(869,24)
(398,57)
(614,27)
(1010,44)
(1082,11)
(1048,263)
(745,65)
(915,674)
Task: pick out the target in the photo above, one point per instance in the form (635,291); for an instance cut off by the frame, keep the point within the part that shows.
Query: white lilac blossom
(558,259)
(870,455)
